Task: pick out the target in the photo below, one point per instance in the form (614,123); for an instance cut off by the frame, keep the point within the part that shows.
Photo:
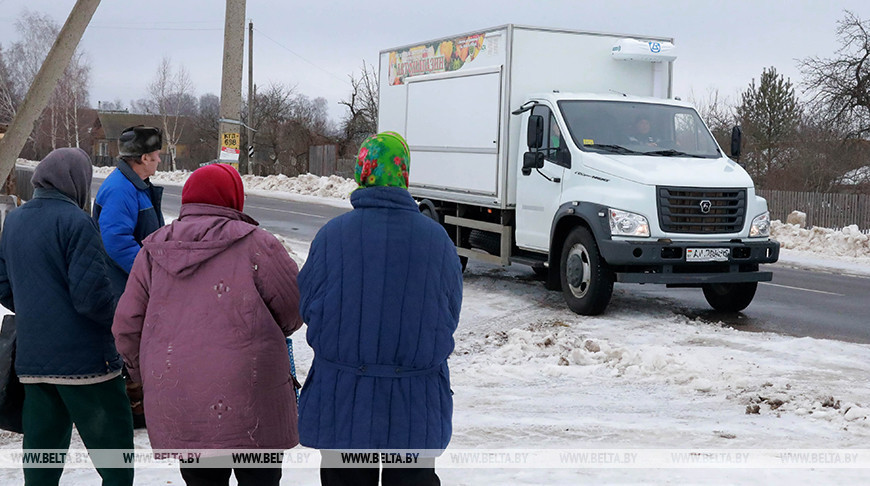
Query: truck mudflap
(689,263)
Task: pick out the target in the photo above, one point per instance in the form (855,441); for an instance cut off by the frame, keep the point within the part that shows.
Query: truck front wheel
(733,297)
(587,282)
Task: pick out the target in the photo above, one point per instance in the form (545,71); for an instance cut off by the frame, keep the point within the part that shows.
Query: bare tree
(37,33)
(115,105)
(61,123)
(171,97)
(362,118)
(287,125)
(8,105)
(272,112)
(718,112)
(71,94)
(840,86)
(205,128)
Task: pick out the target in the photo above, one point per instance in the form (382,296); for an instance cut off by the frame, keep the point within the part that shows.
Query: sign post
(231,82)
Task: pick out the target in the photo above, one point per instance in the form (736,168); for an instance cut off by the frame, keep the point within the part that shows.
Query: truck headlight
(623,223)
(760,226)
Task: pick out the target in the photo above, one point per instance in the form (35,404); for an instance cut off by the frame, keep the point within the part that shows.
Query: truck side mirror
(736,141)
(535,135)
(532,160)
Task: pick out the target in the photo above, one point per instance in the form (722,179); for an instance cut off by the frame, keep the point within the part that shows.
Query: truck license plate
(707,254)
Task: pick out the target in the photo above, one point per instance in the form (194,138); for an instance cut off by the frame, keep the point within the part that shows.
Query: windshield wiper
(617,149)
(674,153)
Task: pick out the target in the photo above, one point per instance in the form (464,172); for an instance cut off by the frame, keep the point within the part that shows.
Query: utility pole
(231,82)
(44,83)
(250,97)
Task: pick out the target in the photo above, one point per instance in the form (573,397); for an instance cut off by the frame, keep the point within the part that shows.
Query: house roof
(114,123)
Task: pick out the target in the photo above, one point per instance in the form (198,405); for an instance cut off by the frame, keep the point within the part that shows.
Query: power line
(115,27)
(300,56)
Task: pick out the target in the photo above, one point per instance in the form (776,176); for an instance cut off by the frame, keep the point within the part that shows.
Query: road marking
(800,288)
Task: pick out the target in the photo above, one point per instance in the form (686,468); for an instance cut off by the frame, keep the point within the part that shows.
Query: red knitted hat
(217,184)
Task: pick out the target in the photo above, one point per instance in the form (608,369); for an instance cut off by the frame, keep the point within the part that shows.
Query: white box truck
(565,151)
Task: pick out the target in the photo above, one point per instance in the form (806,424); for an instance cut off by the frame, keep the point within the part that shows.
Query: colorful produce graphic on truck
(438,57)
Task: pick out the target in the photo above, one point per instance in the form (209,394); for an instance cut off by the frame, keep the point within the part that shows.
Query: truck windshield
(629,128)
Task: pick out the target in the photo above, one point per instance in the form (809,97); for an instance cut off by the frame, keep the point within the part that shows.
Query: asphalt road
(797,302)
(298,221)
(295,220)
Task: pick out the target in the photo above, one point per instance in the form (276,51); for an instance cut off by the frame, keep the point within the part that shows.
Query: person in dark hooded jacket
(53,275)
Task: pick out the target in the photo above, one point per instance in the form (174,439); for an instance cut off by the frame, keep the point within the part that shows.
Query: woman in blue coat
(381,292)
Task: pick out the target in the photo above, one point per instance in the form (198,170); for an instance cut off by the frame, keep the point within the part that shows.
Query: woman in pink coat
(202,325)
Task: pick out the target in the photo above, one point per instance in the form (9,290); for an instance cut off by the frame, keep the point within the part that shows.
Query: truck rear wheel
(733,297)
(587,282)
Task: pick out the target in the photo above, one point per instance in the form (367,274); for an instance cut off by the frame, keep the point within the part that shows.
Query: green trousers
(101,414)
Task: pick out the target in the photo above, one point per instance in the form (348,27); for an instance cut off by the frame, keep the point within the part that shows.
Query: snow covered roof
(855,177)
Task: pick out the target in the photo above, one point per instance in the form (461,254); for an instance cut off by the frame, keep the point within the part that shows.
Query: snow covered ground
(530,375)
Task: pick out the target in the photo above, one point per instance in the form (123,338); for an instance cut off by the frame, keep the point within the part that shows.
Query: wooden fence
(322,161)
(827,210)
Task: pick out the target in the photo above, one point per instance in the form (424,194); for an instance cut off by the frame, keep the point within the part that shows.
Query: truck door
(539,194)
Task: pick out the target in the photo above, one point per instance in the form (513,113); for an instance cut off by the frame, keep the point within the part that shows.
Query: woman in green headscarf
(381,292)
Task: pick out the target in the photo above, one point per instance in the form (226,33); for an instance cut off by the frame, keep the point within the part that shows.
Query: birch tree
(171,97)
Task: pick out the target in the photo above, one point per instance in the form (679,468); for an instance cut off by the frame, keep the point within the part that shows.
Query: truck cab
(636,189)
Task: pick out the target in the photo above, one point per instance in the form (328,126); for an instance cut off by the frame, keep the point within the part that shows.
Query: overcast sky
(315,45)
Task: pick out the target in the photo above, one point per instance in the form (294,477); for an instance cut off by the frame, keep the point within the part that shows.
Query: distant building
(110,124)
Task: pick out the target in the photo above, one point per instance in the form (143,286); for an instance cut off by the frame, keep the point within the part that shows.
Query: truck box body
(446,105)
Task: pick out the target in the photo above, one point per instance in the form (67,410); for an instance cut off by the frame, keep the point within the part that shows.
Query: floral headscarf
(383,160)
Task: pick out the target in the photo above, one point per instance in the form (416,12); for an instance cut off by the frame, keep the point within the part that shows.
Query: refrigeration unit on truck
(565,151)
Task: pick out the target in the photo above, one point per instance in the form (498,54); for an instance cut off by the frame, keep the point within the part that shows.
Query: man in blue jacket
(127,209)
(53,275)
(381,293)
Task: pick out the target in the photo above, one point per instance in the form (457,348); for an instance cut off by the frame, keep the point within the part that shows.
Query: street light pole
(250,96)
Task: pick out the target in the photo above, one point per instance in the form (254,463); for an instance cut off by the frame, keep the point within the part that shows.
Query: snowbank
(306,184)
(848,242)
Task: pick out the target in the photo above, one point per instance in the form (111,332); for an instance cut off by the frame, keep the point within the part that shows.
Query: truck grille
(701,211)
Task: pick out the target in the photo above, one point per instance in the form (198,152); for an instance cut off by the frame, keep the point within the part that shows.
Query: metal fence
(23,187)
(827,210)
